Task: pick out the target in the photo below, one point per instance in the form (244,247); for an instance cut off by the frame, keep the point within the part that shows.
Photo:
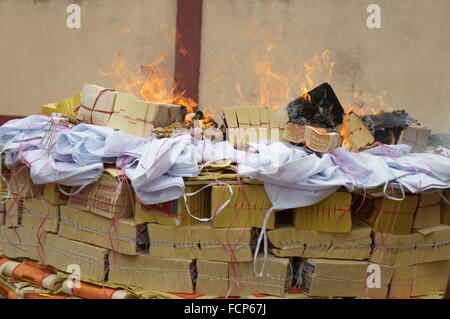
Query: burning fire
(305,96)
(345,133)
(154,82)
(151,82)
(276,89)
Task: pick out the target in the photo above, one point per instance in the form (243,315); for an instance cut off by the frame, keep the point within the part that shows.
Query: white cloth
(149,174)
(84,144)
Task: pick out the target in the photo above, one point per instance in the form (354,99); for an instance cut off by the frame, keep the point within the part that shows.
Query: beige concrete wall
(408,57)
(43,61)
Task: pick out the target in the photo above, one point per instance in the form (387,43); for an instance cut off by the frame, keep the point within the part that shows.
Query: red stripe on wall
(188,45)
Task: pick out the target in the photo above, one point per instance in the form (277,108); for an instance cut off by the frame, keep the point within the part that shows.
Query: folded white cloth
(84,144)
(44,169)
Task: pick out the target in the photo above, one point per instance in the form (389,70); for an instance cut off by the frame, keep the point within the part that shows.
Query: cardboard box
(386,215)
(341,278)
(174,213)
(238,279)
(107,197)
(212,278)
(39,214)
(61,252)
(13,212)
(247,208)
(21,184)
(421,246)
(96,105)
(428,211)
(332,215)
(162,274)
(124,235)
(22,242)
(420,279)
(292,242)
(201,241)
(53,195)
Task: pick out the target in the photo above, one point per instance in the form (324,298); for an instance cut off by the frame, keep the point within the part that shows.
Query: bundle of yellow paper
(332,215)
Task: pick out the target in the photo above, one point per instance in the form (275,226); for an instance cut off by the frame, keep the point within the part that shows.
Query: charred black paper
(319,107)
(387,126)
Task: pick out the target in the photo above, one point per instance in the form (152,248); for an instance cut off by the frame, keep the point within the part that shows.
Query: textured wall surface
(408,57)
(43,61)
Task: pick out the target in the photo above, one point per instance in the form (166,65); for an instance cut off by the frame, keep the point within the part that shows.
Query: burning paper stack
(174,213)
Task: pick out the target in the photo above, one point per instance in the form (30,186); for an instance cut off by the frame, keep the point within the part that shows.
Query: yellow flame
(151,82)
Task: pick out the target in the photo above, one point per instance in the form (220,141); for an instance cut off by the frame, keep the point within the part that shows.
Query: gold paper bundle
(163,274)
(420,279)
(6,173)
(248,124)
(421,246)
(122,235)
(292,242)
(61,252)
(139,118)
(201,241)
(247,208)
(428,213)
(174,213)
(39,214)
(341,278)
(2,214)
(445,208)
(21,185)
(66,106)
(22,242)
(315,138)
(416,136)
(386,215)
(108,197)
(331,215)
(53,194)
(96,104)
(13,212)
(238,279)
(357,136)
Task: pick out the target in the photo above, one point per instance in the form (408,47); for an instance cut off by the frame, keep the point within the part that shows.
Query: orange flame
(276,89)
(151,82)
(305,96)
(345,133)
